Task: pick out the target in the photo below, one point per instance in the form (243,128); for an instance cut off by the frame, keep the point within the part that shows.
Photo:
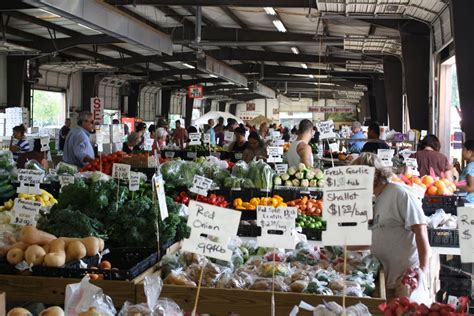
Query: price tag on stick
(44,143)
(66,179)
(25,212)
(212,228)
(160,194)
(347,196)
(120,171)
(386,156)
(274,154)
(281,168)
(326,129)
(134,183)
(466,233)
(207,138)
(278,226)
(195,139)
(201,185)
(30,181)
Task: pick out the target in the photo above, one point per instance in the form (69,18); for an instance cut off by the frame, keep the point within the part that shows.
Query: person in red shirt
(430,160)
(180,135)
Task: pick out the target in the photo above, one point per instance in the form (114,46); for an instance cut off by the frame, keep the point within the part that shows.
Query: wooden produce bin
(51,290)
(219,302)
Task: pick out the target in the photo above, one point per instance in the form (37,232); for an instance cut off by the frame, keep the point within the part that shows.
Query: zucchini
(6,188)
(7,194)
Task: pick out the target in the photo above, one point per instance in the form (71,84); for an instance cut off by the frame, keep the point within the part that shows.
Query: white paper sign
(134,183)
(148,144)
(228,136)
(66,179)
(407,153)
(412,166)
(278,142)
(100,148)
(44,143)
(326,129)
(419,191)
(278,227)
(334,147)
(117,133)
(169,154)
(211,221)
(281,168)
(346,132)
(466,233)
(386,156)
(276,135)
(274,154)
(29,181)
(201,185)
(120,171)
(161,196)
(207,138)
(195,138)
(347,196)
(25,212)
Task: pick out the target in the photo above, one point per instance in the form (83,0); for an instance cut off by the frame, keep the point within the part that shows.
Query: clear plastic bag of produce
(331,309)
(317,287)
(179,277)
(232,182)
(34,165)
(66,168)
(210,275)
(261,174)
(268,269)
(169,263)
(154,306)
(219,176)
(240,169)
(6,160)
(230,280)
(266,284)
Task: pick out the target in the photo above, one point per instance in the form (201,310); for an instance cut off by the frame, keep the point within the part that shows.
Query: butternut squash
(101,244)
(32,236)
(19,245)
(35,254)
(92,245)
(46,248)
(18,311)
(15,256)
(54,259)
(52,311)
(67,240)
(57,245)
(75,250)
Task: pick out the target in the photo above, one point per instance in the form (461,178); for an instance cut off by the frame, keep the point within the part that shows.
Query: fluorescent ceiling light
(304,66)
(295,50)
(311,76)
(269,10)
(88,28)
(321,76)
(50,13)
(213,76)
(188,65)
(279,25)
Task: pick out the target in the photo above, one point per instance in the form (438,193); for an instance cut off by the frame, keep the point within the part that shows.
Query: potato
(52,311)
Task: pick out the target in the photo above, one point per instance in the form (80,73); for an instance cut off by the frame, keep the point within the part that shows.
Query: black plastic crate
(312,234)
(127,264)
(6,268)
(433,203)
(444,237)
(249,231)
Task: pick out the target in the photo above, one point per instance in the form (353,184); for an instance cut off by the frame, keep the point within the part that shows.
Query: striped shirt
(24,146)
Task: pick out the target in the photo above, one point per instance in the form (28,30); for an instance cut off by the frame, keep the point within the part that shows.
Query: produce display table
(217,302)
(49,290)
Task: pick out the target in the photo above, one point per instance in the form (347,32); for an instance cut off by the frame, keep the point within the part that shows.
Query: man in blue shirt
(78,148)
(356,146)
(211,131)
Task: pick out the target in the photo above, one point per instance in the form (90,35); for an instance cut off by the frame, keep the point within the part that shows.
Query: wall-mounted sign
(97,107)
(250,106)
(195,92)
(331,109)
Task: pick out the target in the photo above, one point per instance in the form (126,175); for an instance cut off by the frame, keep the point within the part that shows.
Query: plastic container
(444,238)
(433,203)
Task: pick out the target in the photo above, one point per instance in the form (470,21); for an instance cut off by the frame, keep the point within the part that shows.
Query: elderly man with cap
(132,142)
(357,133)
(161,133)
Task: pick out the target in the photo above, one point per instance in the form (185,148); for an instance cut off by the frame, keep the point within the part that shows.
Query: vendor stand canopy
(215,115)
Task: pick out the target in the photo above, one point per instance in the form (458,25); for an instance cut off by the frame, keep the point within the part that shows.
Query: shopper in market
(300,150)
(220,136)
(399,234)
(78,148)
(180,134)
(240,143)
(18,143)
(430,160)
(140,128)
(255,148)
(131,144)
(374,142)
(467,176)
(161,133)
(35,154)
(211,131)
(231,125)
(263,131)
(63,133)
(357,133)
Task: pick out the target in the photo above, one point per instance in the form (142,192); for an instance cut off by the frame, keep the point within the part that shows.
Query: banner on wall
(249,115)
(331,109)
(195,92)
(130,122)
(97,109)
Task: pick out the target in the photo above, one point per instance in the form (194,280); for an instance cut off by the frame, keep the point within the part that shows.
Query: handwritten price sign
(195,139)
(121,171)
(326,129)
(30,181)
(25,212)
(201,185)
(211,221)
(348,205)
(278,227)
(466,233)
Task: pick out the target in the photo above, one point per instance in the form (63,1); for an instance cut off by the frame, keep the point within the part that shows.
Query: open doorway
(49,108)
(450,133)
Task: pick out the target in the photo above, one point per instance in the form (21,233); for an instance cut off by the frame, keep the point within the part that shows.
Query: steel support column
(380,100)
(464,42)
(392,68)
(16,75)
(188,111)
(165,102)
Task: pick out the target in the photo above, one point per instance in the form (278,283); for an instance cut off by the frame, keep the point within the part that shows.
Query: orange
(418,181)
(440,184)
(442,191)
(427,180)
(432,190)
(446,181)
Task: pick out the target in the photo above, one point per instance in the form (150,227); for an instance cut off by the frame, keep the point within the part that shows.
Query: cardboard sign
(211,221)
(25,212)
(195,139)
(466,233)
(134,183)
(97,107)
(161,196)
(44,143)
(201,185)
(30,181)
(278,227)
(148,144)
(281,168)
(274,154)
(66,179)
(386,156)
(326,129)
(207,138)
(347,196)
(228,136)
(120,171)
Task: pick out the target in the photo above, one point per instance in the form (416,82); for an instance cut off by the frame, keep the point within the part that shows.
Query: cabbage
(187,171)
(310,175)
(292,171)
(247,183)
(301,166)
(277,180)
(299,175)
(305,183)
(219,176)
(240,169)
(288,183)
(285,176)
(296,182)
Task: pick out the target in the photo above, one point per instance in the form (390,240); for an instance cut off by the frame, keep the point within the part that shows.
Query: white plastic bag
(421,294)
(331,309)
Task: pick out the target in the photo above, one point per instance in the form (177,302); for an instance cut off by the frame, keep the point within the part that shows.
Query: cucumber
(6,188)
(8,194)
